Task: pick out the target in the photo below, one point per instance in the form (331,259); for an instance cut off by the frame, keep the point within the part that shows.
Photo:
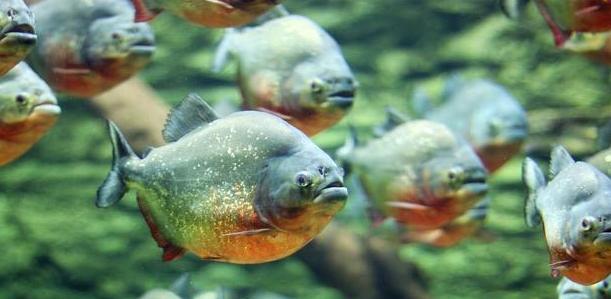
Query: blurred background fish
(419,173)
(291,67)
(88,47)
(482,111)
(209,13)
(28,108)
(17,36)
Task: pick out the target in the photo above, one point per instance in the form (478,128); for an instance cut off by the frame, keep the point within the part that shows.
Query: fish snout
(342,92)
(138,38)
(20,26)
(42,102)
(474,181)
(332,190)
(508,131)
(602,226)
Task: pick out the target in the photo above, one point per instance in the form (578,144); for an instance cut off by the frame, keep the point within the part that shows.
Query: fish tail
(343,153)
(113,188)
(223,51)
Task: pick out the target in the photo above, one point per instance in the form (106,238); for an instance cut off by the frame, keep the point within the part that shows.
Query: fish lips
(343,98)
(604,238)
(142,49)
(21,33)
(333,192)
(47,108)
(475,185)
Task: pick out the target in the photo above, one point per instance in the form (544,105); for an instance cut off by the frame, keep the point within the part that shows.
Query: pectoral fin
(248,232)
(407,205)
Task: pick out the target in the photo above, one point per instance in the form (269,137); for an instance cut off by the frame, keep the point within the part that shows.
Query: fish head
(497,131)
(322,85)
(17,36)
(118,43)
(568,289)
(456,175)
(588,229)
(23,98)
(300,190)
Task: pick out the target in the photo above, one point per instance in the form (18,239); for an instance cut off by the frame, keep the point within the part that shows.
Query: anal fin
(170,251)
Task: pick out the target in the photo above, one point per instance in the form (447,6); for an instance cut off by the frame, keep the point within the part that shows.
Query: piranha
(565,17)
(208,13)
(420,174)
(246,188)
(17,35)
(291,67)
(28,109)
(469,224)
(570,290)
(488,116)
(576,214)
(95,47)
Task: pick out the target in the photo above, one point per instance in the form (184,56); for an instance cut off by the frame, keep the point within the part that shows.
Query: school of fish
(251,187)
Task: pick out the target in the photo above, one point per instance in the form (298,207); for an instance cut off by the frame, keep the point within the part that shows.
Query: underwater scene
(268,149)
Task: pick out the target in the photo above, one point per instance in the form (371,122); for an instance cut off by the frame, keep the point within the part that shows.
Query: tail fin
(343,153)
(113,188)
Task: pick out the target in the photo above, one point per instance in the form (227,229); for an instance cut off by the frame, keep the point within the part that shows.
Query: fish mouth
(23,33)
(475,183)
(514,133)
(332,193)
(343,99)
(48,108)
(142,47)
(604,237)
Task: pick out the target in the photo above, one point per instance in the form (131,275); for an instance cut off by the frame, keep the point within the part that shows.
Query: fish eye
(454,174)
(586,224)
(605,284)
(303,179)
(316,86)
(21,99)
(116,36)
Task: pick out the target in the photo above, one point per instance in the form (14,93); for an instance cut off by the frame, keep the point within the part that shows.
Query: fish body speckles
(247,188)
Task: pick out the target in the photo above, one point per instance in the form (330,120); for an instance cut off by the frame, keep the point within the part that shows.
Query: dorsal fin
(394,118)
(192,113)
(560,159)
(344,153)
(182,286)
(533,178)
(451,86)
(421,103)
